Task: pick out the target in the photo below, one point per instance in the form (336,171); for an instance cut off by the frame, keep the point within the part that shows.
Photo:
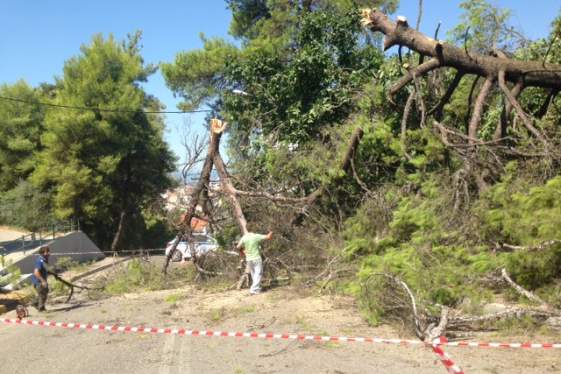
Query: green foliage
(100,165)
(517,213)
(418,245)
(57,288)
(26,206)
(488,28)
(532,270)
(13,274)
(245,16)
(295,96)
(524,216)
(21,126)
(64,263)
(198,76)
(137,275)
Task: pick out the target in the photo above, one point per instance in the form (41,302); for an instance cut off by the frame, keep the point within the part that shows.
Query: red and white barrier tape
(503,345)
(435,345)
(255,335)
(185,332)
(445,359)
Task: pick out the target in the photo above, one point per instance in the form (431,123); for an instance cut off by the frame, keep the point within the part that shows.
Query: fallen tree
(200,192)
(396,299)
(497,70)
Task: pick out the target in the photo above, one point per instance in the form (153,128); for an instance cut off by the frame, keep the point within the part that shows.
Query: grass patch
(138,275)
(518,326)
(245,310)
(57,288)
(173,299)
(305,325)
(217,314)
(68,264)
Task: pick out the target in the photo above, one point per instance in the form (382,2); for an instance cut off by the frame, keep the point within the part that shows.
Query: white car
(203,244)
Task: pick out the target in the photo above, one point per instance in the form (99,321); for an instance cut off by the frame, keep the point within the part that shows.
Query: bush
(13,275)
(138,275)
(25,206)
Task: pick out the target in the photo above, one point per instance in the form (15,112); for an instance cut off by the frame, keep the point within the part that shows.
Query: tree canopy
(100,165)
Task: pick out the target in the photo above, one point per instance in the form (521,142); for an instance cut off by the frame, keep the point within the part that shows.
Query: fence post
(3,252)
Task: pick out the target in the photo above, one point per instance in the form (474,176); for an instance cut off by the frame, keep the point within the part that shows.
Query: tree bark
(500,131)
(116,245)
(531,73)
(231,191)
(204,180)
(478,110)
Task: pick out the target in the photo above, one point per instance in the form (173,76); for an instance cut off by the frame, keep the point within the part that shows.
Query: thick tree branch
(203,182)
(532,73)
(525,119)
(415,72)
(500,131)
(547,102)
(527,294)
(437,110)
(478,109)
(231,191)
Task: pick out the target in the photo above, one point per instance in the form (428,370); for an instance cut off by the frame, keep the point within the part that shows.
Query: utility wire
(100,109)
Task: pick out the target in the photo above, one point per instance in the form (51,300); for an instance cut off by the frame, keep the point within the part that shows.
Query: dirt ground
(8,233)
(279,310)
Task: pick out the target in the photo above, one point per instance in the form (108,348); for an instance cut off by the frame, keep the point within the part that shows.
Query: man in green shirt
(251,242)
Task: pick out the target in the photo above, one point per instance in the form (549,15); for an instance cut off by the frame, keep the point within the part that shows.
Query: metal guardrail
(38,238)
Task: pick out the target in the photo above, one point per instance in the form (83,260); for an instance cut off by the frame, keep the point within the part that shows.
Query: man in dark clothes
(39,277)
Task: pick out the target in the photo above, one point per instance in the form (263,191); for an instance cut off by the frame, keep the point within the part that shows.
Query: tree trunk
(204,179)
(531,73)
(231,191)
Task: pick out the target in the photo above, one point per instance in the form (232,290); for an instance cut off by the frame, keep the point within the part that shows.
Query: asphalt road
(36,350)
(46,350)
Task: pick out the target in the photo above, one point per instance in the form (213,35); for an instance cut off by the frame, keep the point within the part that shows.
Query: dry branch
(306,200)
(499,247)
(478,109)
(474,323)
(431,332)
(527,294)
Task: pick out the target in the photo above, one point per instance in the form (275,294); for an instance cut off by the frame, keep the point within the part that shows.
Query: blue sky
(38,36)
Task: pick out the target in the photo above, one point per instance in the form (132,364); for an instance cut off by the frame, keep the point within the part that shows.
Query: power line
(100,109)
